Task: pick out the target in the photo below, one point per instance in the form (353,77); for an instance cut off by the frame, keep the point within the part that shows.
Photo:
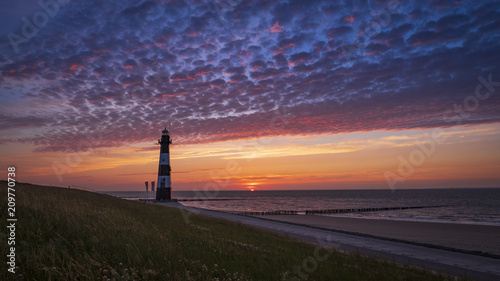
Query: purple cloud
(119,73)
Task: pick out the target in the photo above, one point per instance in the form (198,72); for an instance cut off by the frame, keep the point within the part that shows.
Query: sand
(467,237)
(312,229)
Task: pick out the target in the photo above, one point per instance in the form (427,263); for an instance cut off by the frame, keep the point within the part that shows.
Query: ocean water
(469,206)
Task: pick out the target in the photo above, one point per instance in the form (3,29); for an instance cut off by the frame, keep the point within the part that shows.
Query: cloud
(276,28)
(16,122)
(119,73)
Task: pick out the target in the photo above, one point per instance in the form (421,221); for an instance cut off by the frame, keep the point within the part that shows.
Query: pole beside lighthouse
(163,188)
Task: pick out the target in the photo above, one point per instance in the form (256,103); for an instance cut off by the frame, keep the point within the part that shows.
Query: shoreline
(474,239)
(426,220)
(419,220)
(476,265)
(470,238)
(149,241)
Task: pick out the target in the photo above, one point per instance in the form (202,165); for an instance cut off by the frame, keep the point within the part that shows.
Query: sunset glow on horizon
(468,157)
(257,95)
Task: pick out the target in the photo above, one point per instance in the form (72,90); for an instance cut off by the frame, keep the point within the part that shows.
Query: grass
(67,234)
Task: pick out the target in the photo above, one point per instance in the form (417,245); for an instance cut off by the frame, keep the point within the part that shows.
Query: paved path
(466,238)
(478,267)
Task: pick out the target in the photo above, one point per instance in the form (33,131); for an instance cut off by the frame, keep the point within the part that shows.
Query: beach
(466,237)
(366,236)
(70,234)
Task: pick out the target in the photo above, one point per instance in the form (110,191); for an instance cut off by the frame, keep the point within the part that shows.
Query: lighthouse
(163,189)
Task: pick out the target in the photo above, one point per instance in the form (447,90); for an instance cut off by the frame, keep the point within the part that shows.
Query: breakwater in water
(333,211)
(470,206)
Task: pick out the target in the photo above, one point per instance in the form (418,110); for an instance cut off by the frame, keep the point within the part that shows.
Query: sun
(251,186)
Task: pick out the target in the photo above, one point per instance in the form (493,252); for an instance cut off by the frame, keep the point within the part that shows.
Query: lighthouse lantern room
(163,189)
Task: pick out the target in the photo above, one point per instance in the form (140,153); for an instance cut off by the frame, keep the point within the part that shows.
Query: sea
(463,205)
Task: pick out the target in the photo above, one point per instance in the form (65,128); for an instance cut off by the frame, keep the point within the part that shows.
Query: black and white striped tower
(163,189)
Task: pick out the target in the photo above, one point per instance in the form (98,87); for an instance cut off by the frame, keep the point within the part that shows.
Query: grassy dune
(66,234)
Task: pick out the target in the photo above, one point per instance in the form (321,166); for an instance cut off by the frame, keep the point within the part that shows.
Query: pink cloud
(276,28)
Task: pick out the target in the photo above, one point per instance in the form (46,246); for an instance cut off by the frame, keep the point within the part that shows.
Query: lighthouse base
(163,193)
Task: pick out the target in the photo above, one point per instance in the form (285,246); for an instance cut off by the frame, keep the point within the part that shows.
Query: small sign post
(147,192)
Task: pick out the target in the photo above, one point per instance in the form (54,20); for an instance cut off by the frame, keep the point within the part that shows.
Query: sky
(256,94)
